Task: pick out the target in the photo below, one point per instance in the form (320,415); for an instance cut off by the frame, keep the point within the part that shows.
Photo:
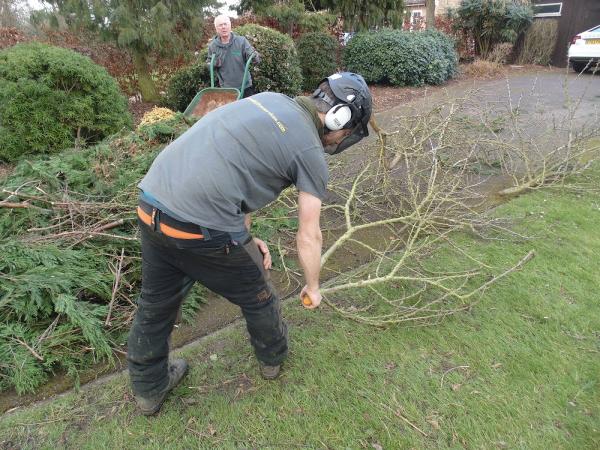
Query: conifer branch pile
(70,266)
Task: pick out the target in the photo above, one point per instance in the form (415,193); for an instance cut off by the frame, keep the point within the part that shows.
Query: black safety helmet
(352,90)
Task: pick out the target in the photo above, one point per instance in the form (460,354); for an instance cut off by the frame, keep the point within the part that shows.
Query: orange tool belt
(167,230)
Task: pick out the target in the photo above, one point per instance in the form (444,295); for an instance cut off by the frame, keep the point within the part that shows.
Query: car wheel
(578,66)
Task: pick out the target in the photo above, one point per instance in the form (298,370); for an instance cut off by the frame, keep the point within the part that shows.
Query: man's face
(333,138)
(223,26)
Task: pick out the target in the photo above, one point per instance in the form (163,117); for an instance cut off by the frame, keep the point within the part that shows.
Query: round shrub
(317,53)
(279,68)
(187,82)
(51,97)
(402,58)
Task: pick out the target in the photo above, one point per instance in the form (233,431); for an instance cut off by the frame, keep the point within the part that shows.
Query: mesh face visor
(359,132)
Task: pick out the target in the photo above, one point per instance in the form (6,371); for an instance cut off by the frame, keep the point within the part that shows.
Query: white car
(584,51)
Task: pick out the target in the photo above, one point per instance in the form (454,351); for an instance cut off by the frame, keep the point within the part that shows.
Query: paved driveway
(550,105)
(547,94)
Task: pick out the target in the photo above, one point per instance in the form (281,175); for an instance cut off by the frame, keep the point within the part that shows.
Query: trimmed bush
(51,98)
(186,83)
(279,69)
(402,58)
(317,53)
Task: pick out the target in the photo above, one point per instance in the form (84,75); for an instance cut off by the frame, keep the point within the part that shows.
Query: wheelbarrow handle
(245,78)
(212,70)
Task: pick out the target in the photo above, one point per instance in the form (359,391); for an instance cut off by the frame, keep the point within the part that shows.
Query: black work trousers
(170,267)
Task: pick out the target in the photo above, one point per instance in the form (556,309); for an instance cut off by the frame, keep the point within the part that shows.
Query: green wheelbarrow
(212,97)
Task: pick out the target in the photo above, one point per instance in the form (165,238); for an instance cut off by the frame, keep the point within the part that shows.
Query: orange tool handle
(306,301)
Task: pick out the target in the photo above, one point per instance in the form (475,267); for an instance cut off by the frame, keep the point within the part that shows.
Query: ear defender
(337,117)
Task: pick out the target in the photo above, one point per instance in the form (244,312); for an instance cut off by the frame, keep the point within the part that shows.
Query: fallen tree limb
(24,205)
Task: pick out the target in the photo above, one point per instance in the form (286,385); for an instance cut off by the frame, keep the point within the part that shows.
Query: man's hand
(313,295)
(267,261)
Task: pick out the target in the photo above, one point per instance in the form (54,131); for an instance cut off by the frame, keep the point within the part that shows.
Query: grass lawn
(520,370)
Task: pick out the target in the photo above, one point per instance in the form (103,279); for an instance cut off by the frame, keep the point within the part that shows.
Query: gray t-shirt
(237,159)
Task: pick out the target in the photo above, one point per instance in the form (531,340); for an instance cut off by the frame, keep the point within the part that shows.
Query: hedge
(402,58)
(317,52)
(51,98)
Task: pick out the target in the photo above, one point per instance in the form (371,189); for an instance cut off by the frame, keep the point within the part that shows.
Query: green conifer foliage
(57,280)
(361,15)
(144,27)
(358,15)
(40,285)
(53,98)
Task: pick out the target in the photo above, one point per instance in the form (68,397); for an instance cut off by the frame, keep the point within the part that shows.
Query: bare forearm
(309,252)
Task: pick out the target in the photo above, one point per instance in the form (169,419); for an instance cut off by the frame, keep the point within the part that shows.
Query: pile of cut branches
(70,266)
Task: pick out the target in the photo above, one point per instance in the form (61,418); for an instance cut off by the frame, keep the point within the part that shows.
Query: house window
(416,16)
(547,9)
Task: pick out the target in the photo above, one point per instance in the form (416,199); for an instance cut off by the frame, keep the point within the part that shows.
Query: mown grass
(519,370)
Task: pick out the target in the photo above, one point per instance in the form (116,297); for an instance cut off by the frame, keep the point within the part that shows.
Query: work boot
(151,405)
(269,372)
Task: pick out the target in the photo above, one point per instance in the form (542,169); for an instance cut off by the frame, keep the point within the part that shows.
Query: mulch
(212,100)
(386,97)
(138,109)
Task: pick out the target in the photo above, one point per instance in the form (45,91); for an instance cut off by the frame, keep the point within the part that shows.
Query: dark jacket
(231,59)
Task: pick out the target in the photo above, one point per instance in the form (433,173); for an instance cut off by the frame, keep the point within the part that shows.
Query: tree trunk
(430,14)
(145,82)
